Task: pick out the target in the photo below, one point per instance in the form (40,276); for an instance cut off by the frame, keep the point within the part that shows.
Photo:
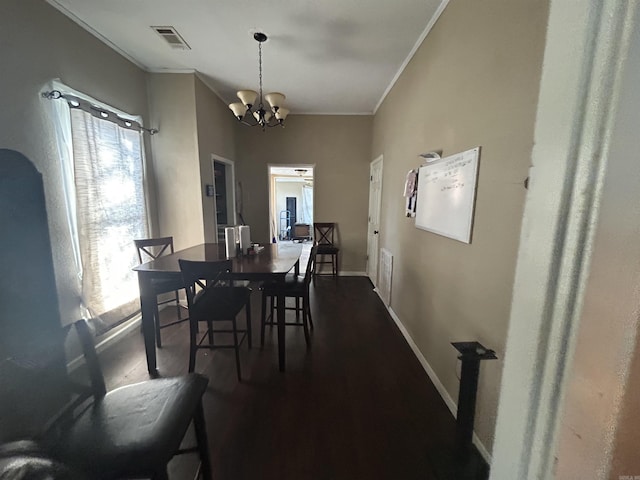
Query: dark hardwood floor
(356,405)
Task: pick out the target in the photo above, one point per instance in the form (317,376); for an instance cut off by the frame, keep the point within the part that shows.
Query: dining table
(270,264)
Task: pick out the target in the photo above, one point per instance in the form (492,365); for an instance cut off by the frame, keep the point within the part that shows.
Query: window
(107,209)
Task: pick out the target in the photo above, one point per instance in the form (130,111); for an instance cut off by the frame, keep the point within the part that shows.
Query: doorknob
(375,232)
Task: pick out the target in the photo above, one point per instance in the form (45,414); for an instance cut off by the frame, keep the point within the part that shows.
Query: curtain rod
(98,112)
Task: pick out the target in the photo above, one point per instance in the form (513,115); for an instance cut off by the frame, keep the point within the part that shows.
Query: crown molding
(421,39)
(67,13)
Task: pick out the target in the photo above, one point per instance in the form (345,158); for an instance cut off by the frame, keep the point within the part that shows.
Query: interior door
(373,232)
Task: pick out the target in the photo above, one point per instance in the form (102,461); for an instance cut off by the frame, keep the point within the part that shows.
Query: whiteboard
(446,195)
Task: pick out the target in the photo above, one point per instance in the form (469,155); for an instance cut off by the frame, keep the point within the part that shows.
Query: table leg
(281,333)
(147,300)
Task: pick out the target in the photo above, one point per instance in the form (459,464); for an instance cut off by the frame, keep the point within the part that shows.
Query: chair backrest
(308,274)
(198,276)
(324,233)
(152,248)
(29,308)
(78,393)
(96,377)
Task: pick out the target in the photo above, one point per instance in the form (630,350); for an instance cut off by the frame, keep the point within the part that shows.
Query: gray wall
(340,149)
(40,44)
(216,128)
(176,167)
(473,82)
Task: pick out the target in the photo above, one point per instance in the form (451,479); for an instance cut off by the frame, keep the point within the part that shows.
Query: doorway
(224,194)
(291,203)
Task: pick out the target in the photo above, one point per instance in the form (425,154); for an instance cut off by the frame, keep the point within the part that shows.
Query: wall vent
(172,37)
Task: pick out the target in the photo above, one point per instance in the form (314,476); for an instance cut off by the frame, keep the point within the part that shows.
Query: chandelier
(246,110)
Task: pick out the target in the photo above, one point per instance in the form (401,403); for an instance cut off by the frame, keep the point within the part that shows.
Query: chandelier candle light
(265,118)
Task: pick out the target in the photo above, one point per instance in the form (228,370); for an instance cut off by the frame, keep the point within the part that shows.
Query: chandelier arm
(249,115)
(258,116)
(244,122)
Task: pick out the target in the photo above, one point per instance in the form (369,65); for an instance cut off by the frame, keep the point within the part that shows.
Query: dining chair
(129,432)
(294,286)
(150,249)
(326,245)
(212,298)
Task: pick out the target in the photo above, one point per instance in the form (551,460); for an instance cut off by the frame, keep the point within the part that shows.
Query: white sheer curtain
(103,177)
(307,205)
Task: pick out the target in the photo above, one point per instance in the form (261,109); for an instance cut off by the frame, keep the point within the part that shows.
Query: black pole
(466,405)
(471,355)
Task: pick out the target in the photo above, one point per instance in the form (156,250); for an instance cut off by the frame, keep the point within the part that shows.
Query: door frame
(232,194)
(587,47)
(378,160)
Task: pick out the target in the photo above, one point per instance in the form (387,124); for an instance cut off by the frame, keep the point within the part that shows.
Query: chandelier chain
(260,63)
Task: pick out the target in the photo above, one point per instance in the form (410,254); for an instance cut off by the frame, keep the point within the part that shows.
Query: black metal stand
(471,355)
(464,461)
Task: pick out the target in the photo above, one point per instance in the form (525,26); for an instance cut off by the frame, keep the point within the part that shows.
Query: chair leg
(178,308)
(297,309)
(272,303)
(236,347)
(263,318)
(306,304)
(248,316)
(212,341)
(315,268)
(193,334)
(156,322)
(203,442)
(305,325)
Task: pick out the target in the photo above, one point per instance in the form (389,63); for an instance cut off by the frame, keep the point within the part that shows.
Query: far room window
(104,186)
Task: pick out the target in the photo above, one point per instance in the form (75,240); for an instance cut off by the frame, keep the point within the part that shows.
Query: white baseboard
(352,274)
(343,273)
(453,407)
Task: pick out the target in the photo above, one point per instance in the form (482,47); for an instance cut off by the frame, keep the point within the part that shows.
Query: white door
(375,197)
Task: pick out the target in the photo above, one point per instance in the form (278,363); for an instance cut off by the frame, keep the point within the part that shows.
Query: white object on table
(230,241)
(245,239)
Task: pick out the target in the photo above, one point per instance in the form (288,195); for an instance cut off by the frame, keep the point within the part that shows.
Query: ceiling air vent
(172,37)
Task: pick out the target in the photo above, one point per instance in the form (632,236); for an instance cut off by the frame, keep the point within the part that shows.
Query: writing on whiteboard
(446,195)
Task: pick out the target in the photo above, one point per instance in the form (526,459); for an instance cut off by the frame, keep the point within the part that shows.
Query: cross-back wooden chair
(213,298)
(150,249)
(129,432)
(324,234)
(297,287)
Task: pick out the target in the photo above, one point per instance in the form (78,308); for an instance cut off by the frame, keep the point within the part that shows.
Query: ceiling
(326,56)
(297,172)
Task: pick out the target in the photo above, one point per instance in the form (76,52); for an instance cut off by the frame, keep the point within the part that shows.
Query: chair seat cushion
(137,427)
(326,249)
(293,284)
(219,303)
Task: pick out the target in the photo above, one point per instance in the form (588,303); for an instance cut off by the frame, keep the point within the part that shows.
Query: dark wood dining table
(270,264)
